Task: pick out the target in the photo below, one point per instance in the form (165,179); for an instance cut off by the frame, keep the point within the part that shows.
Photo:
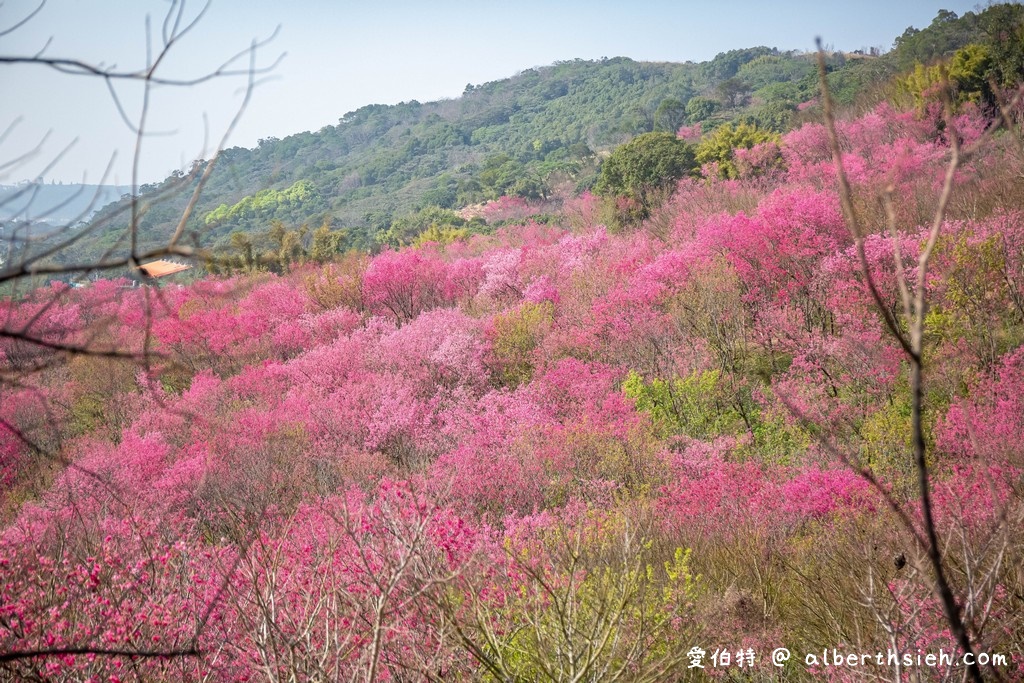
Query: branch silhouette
(28,256)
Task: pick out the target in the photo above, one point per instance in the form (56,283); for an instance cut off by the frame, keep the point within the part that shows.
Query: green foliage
(503,175)
(919,86)
(734,92)
(775,117)
(532,135)
(301,199)
(669,115)
(277,249)
(327,244)
(407,229)
(444,193)
(515,335)
(648,162)
(969,69)
(244,258)
(769,70)
(965,75)
(693,405)
(1003,29)
(440,235)
(100,396)
(718,146)
(609,605)
(726,65)
(977,48)
(976,277)
(778,442)
(291,249)
(700,109)
(947,33)
(886,445)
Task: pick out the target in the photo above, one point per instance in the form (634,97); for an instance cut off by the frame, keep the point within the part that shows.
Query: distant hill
(56,204)
(541,133)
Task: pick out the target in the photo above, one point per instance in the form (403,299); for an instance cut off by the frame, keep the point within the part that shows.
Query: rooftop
(162,268)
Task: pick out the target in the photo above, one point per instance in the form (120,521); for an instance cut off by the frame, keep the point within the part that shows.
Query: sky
(332,57)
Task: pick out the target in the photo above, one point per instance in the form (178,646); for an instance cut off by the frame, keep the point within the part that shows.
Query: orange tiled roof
(162,268)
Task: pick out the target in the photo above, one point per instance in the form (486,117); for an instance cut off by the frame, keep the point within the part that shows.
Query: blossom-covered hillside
(558,452)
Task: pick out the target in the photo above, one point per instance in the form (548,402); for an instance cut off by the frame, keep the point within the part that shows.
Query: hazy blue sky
(341,55)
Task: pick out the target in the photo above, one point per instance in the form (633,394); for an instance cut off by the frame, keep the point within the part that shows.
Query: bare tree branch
(31,256)
(14,655)
(915,305)
(22,22)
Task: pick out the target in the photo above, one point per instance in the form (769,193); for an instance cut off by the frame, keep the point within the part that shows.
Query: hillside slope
(541,133)
(538,133)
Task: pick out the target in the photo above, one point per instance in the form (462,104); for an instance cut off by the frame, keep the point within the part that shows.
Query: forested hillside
(539,135)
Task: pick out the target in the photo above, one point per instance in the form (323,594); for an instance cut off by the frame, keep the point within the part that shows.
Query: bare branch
(28,18)
(849,211)
(13,655)
(50,351)
(79,68)
(914,304)
(27,155)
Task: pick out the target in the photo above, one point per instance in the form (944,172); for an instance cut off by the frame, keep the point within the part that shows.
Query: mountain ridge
(539,134)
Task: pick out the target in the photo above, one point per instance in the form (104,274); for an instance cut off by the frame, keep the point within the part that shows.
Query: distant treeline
(543,134)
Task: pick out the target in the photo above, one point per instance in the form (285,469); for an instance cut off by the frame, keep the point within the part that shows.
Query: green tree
(946,33)
(734,92)
(499,173)
(669,115)
(514,337)
(966,74)
(1003,25)
(647,162)
(969,69)
(327,243)
(277,232)
(243,247)
(292,249)
(440,235)
(700,109)
(773,116)
(406,229)
(644,171)
(718,146)
(695,405)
